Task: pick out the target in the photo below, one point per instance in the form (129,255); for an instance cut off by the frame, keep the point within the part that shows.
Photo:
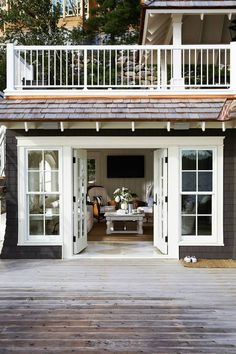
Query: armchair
(99,198)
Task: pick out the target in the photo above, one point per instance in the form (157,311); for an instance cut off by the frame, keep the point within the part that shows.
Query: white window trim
(24,239)
(217,238)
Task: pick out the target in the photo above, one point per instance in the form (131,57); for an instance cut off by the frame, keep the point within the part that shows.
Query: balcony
(114,70)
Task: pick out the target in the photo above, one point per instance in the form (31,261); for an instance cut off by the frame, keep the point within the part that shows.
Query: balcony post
(233,66)
(10,67)
(177,80)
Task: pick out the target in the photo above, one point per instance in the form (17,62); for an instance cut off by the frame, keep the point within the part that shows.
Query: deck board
(116,306)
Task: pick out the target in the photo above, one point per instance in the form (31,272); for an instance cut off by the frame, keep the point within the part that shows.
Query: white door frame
(160,208)
(173,144)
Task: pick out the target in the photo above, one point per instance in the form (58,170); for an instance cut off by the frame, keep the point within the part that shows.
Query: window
(93,167)
(91,171)
(43,194)
(198,195)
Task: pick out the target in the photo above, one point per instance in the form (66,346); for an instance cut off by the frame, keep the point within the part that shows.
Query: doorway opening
(120,203)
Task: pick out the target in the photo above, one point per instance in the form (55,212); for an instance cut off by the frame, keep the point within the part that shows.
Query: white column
(173,202)
(177,79)
(233,66)
(10,67)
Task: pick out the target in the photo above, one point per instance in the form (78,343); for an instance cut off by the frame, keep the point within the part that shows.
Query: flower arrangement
(122,195)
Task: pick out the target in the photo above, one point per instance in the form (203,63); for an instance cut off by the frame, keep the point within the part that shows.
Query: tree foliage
(117,20)
(35,22)
(32,22)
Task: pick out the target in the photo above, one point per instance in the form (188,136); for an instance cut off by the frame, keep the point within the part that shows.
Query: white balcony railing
(159,68)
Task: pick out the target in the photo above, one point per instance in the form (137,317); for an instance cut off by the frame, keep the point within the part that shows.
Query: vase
(124,206)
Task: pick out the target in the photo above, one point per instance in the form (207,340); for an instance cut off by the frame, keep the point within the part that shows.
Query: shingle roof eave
(115,110)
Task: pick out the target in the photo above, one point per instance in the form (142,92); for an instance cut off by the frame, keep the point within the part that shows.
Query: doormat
(211,263)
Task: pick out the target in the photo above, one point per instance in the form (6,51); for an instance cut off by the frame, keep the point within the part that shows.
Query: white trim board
(92,142)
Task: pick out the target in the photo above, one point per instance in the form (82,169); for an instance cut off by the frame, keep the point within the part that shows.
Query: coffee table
(115,216)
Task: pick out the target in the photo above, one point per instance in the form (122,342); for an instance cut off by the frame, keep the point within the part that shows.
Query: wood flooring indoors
(115,306)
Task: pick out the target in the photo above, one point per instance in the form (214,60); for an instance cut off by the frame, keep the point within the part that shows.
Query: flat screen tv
(125,166)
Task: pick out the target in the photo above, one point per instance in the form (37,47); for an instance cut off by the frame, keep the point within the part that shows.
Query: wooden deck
(115,306)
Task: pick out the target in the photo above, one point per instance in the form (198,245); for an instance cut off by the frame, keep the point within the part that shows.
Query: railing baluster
(145,67)
(78,74)
(219,65)
(110,67)
(213,63)
(189,67)
(31,67)
(140,67)
(134,65)
(85,69)
(48,52)
(207,67)
(201,63)
(122,67)
(55,67)
(158,68)
(225,66)
(98,66)
(116,71)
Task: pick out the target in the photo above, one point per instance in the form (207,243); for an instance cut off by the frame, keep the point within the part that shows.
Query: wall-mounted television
(125,166)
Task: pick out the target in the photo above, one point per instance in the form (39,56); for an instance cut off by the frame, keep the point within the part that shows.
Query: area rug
(211,263)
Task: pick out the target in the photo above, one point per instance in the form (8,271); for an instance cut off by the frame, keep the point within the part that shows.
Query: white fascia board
(192,11)
(86,142)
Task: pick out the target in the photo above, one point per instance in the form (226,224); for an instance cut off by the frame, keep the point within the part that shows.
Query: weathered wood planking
(116,306)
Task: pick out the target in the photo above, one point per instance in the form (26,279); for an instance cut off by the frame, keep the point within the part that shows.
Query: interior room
(119,181)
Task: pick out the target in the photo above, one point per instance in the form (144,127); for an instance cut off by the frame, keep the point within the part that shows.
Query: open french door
(161,200)
(79,200)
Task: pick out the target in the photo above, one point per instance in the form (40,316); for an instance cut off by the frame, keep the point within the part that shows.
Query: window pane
(204,225)
(205,160)
(51,160)
(188,181)
(189,160)
(188,225)
(35,181)
(51,182)
(188,204)
(35,204)
(204,204)
(35,160)
(205,181)
(52,205)
(36,225)
(52,226)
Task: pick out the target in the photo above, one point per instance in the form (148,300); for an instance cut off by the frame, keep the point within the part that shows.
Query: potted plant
(123,196)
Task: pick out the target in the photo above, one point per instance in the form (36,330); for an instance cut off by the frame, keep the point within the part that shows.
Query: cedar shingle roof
(189,3)
(115,109)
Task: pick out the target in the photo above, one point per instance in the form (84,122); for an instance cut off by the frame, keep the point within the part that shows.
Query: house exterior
(172,98)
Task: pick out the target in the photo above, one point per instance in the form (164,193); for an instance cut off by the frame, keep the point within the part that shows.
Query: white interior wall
(136,185)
